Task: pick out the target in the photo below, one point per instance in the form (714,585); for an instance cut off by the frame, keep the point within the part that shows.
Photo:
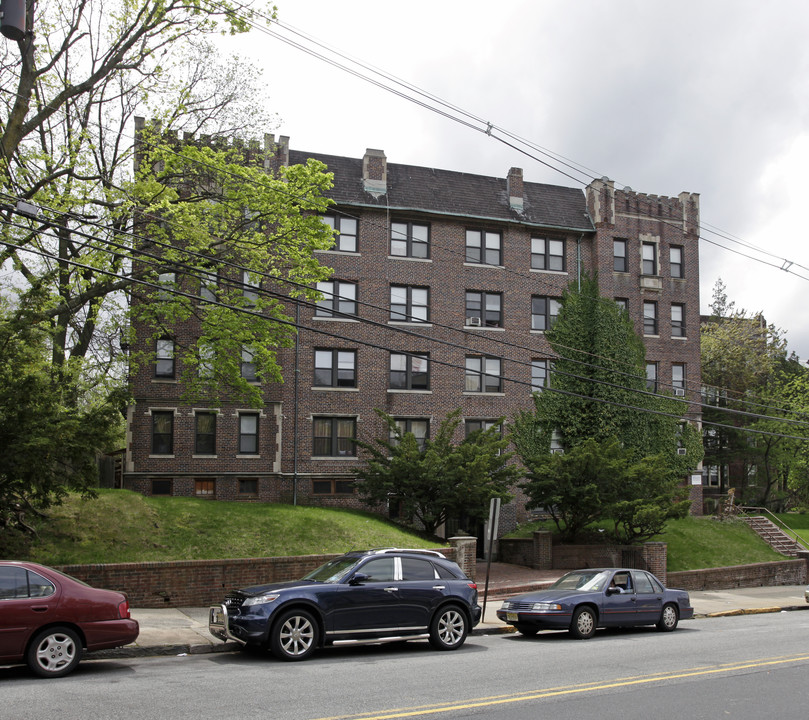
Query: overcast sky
(705,96)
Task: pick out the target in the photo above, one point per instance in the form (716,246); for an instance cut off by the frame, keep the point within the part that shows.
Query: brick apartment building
(443,284)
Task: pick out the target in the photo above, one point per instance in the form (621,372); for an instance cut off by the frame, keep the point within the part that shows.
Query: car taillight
(474,586)
(123,609)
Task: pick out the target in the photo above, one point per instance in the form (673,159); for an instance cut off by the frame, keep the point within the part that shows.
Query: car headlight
(546,606)
(260,599)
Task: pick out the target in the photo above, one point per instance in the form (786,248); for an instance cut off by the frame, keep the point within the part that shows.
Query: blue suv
(389,594)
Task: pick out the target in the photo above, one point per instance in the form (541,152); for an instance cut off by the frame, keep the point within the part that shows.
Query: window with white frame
(251,283)
(676,261)
(649,318)
(248,433)
(677,320)
(164,358)
(649,258)
(162,432)
(248,365)
(620,262)
(418,427)
(205,433)
(678,378)
(651,376)
(540,374)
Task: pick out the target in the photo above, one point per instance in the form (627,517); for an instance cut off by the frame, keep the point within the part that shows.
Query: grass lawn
(699,542)
(123,526)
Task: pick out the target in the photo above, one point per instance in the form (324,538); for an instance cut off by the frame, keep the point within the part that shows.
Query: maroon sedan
(48,618)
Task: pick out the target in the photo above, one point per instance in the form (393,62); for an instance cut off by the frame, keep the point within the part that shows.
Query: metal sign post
(494,520)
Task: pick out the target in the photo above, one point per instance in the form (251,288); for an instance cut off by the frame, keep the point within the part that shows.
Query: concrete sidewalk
(173,631)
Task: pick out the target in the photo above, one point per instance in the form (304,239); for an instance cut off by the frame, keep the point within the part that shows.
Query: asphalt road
(739,667)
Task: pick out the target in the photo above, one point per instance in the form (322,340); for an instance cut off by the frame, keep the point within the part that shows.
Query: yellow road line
(435,709)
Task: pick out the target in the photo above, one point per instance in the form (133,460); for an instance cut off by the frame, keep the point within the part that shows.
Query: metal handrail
(777,521)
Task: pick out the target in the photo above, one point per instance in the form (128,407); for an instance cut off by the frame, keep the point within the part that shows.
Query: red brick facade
(384,198)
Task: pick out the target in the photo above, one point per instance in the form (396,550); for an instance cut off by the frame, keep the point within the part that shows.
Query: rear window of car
(17,582)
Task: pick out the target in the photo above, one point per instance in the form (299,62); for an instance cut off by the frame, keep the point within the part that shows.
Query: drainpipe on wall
(295,405)
(578,260)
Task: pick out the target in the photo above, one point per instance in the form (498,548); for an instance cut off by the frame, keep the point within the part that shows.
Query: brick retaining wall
(782,572)
(197,583)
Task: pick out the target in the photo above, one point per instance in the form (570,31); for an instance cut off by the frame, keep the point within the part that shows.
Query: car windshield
(333,570)
(582,580)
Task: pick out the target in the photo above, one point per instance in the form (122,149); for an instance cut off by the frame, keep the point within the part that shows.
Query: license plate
(512,617)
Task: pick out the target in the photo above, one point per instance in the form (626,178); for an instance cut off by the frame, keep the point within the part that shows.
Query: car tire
(448,628)
(669,617)
(294,636)
(527,630)
(54,652)
(583,624)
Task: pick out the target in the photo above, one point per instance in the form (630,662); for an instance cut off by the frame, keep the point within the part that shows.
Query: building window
(676,261)
(206,358)
(409,304)
(204,487)
(332,487)
(623,304)
(419,427)
(409,371)
(168,284)
(162,487)
(205,433)
(540,373)
(483,374)
(484,247)
(649,258)
(335,368)
(650,318)
(547,254)
(556,443)
(544,311)
(163,432)
(473,426)
(484,309)
(678,378)
(334,436)
(345,235)
(410,240)
(248,487)
(208,286)
(651,376)
(248,433)
(248,365)
(619,256)
(251,283)
(339,298)
(164,358)
(677,320)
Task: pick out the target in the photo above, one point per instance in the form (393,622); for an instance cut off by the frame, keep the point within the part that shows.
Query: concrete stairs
(773,535)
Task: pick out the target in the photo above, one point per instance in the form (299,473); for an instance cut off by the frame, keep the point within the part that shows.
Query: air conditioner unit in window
(679,392)
(681,451)
(474,321)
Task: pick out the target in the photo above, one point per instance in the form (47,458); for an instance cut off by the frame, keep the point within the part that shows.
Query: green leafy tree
(598,395)
(443,479)
(51,438)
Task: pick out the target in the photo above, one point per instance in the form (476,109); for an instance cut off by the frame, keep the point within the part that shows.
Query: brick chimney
(375,172)
(275,154)
(516,197)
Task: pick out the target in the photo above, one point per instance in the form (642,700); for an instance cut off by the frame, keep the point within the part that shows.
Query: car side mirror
(613,591)
(358,579)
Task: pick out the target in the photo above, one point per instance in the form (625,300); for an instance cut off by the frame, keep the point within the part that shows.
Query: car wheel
(294,636)
(54,652)
(583,624)
(527,630)
(448,629)
(668,618)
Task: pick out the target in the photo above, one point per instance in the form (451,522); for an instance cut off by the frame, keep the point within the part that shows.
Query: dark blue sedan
(584,600)
(371,596)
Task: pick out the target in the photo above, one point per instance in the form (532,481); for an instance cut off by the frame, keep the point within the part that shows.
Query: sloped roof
(446,192)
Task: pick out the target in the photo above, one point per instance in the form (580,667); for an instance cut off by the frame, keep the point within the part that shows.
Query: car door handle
(439,587)
(391,589)
(39,608)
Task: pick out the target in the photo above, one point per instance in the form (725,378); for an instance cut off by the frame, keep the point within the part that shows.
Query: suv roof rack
(417,551)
